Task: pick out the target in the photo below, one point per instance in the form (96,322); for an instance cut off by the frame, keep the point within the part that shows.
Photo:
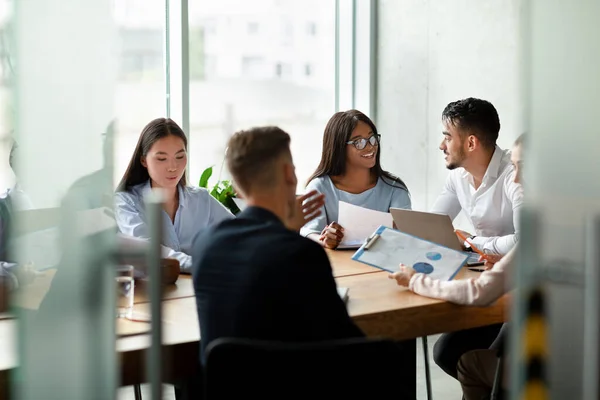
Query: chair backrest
(500,343)
(345,369)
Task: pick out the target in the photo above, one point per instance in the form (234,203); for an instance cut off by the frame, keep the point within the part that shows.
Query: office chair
(427,369)
(356,368)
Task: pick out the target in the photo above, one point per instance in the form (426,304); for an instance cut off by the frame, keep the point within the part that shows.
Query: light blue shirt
(379,198)
(197,210)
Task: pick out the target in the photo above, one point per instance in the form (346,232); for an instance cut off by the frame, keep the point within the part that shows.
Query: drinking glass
(125,291)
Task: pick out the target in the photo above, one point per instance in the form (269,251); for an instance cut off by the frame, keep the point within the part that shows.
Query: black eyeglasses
(362,142)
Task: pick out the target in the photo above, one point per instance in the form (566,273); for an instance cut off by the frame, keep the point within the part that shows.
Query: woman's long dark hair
(333,159)
(156,129)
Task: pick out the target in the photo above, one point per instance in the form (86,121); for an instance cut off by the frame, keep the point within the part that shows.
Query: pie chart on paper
(434,256)
(423,267)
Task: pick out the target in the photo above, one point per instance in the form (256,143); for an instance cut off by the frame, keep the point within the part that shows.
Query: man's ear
(143,161)
(238,193)
(289,174)
(472,142)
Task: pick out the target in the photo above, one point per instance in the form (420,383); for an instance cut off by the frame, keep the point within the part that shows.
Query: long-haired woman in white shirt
(159,161)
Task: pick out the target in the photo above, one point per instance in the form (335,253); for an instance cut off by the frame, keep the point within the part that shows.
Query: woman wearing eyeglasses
(350,171)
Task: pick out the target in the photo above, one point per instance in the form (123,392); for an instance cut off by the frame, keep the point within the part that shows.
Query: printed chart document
(390,247)
(359,223)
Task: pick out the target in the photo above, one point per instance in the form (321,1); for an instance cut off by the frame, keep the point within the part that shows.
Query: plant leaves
(206,174)
(223,191)
(229,203)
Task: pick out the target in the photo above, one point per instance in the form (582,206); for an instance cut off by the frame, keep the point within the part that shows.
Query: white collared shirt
(197,210)
(493,208)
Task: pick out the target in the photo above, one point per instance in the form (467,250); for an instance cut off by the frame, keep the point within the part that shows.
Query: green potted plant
(223,190)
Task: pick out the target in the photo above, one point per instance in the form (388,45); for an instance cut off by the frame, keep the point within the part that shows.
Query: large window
(264,62)
(140,86)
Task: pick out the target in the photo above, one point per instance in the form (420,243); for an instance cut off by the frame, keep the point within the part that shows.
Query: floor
(443,386)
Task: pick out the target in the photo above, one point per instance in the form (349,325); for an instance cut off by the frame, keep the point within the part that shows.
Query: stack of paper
(359,223)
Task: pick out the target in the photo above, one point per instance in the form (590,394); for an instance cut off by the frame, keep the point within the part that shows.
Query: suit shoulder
(304,248)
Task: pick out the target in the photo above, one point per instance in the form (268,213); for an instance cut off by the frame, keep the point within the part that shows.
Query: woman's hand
(332,235)
(403,275)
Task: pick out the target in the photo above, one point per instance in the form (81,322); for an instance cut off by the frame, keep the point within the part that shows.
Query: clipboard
(386,248)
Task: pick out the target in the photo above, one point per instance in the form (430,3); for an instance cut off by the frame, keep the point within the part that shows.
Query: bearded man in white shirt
(482,184)
(481,181)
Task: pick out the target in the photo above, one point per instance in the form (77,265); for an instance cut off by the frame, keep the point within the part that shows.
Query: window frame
(355,77)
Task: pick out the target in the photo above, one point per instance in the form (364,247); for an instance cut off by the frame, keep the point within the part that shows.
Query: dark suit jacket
(256,279)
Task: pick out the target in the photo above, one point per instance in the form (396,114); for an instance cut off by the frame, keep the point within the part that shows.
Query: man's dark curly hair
(474,117)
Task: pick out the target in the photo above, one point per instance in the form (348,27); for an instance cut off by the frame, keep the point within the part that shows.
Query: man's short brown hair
(252,153)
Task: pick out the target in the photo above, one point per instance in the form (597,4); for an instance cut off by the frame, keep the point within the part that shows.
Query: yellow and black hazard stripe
(535,347)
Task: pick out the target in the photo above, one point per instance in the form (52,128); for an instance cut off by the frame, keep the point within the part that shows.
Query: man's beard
(458,163)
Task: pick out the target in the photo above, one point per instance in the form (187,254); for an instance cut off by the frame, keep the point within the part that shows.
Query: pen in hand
(464,239)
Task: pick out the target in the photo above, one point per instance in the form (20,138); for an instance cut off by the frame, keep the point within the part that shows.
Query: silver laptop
(436,228)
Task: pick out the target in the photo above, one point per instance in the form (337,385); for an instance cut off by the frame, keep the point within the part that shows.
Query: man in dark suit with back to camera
(254,276)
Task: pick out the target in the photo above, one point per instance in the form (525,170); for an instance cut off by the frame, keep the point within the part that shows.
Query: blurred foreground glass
(125,291)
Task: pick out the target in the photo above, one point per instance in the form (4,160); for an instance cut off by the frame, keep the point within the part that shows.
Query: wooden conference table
(376,303)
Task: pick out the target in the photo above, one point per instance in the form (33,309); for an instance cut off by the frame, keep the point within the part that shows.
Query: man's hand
(490,260)
(332,235)
(305,212)
(403,276)
(464,234)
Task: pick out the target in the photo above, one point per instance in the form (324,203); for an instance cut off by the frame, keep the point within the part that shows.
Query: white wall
(434,52)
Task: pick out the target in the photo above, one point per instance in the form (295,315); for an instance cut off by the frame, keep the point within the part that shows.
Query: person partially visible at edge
(18,198)
(254,276)
(350,171)
(480,182)
(12,274)
(95,190)
(159,161)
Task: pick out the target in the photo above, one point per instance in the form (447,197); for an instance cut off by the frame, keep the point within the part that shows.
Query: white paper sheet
(394,247)
(359,223)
